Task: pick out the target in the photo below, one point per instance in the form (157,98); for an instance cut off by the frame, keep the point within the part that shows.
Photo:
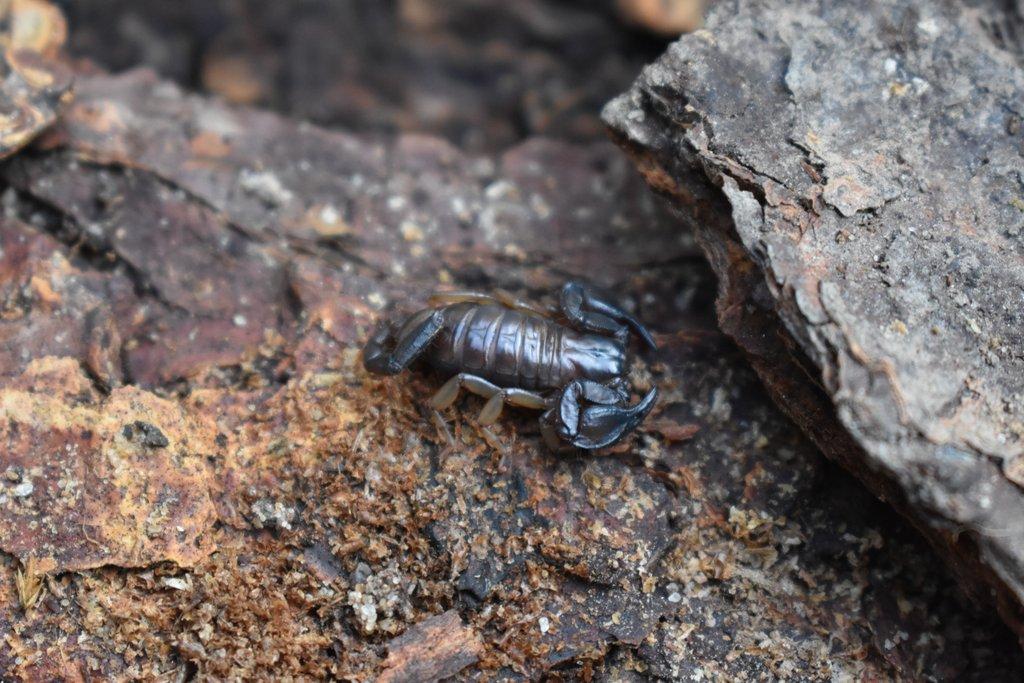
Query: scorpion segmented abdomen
(531,342)
(509,347)
(507,358)
(552,370)
(470,341)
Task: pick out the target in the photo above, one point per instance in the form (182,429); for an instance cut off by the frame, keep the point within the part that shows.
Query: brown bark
(435,648)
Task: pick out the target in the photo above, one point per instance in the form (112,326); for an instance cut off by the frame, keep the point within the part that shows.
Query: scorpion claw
(601,423)
(590,311)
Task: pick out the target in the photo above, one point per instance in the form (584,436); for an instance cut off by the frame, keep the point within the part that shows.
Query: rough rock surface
(215,272)
(34,84)
(91,482)
(853,172)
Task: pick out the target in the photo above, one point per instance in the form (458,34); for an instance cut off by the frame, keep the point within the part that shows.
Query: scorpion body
(517,348)
(571,366)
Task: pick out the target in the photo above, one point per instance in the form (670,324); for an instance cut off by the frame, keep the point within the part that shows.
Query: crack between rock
(144,289)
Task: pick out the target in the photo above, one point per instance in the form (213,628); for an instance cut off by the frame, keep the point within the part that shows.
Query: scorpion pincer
(569,364)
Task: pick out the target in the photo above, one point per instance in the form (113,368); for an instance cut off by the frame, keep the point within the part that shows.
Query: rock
(35,85)
(147,434)
(52,308)
(32,93)
(266,513)
(38,26)
(95,498)
(855,188)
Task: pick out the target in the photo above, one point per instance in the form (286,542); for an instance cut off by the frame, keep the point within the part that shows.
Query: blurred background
(483,73)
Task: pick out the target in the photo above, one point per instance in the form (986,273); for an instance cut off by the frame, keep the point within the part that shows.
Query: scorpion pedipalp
(588,310)
(592,415)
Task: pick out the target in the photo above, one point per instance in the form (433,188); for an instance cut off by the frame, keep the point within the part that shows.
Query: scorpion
(568,363)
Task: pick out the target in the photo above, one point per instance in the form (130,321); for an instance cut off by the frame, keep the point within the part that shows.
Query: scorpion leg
(515,397)
(591,415)
(376,356)
(496,396)
(591,312)
(447,394)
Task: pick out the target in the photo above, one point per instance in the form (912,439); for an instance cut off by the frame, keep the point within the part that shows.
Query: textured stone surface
(236,275)
(853,172)
(88,482)
(34,85)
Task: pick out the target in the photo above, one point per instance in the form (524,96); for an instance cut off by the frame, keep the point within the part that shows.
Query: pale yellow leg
(516,397)
(497,397)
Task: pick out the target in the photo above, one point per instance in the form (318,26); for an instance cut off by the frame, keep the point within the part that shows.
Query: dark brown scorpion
(570,366)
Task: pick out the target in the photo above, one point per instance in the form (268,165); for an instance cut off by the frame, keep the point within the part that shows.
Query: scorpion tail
(388,352)
(377,352)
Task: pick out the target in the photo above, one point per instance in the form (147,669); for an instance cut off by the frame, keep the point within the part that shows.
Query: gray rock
(852,171)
